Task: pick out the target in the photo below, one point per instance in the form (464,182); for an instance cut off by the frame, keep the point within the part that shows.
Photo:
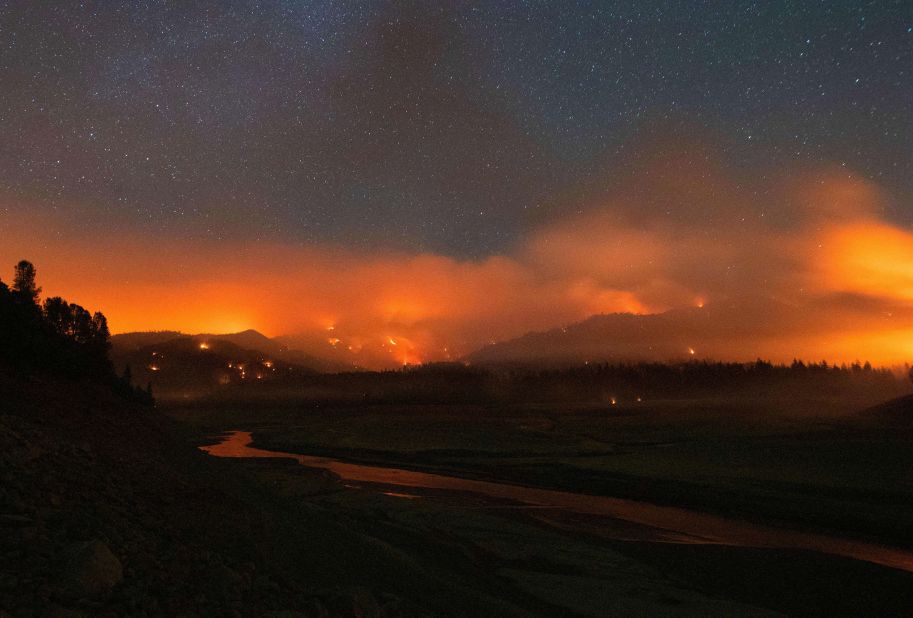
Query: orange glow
(204,346)
(869,258)
(845,274)
(403,310)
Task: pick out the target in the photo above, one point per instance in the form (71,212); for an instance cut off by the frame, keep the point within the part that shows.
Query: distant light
(639,400)
(268,364)
(691,351)
(614,401)
(154,367)
(333,341)
(204,346)
(391,340)
(331,327)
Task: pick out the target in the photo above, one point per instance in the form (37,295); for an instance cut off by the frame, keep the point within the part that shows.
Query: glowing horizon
(842,268)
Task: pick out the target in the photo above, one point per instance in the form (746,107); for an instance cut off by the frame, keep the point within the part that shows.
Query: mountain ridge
(250,339)
(673,335)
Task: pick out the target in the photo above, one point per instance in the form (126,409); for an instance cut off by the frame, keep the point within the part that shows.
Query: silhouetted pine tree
(55,338)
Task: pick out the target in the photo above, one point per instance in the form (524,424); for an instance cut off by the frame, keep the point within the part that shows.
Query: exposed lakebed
(675,525)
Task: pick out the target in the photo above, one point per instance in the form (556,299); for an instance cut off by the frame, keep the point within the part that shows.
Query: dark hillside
(105,508)
(125,345)
(189,366)
(129,342)
(897,413)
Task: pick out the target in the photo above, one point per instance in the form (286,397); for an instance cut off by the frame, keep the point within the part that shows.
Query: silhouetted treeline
(628,381)
(55,338)
(453,383)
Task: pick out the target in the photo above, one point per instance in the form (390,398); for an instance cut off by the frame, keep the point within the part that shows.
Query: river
(686,526)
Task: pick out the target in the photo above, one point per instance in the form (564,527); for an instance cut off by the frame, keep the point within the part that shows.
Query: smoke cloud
(677,230)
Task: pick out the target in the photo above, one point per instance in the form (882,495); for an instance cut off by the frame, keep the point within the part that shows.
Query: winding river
(687,526)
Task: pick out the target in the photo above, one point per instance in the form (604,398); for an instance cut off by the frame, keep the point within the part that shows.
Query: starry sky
(467,134)
(428,127)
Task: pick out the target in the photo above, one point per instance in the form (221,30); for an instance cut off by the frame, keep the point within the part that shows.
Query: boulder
(90,570)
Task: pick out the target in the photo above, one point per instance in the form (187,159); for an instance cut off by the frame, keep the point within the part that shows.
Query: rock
(15,520)
(56,611)
(224,582)
(358,602)
(90,570)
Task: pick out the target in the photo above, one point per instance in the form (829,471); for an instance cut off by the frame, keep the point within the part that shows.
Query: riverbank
(107,509)
(675,525)
(819,470)
(565,552)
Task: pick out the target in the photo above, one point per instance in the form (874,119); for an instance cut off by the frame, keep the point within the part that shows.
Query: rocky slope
(106,509)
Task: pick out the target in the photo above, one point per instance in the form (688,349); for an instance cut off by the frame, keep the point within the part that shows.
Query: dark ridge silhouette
(704,332)
(125,344)
(55,338)
(896,413)
(187,365)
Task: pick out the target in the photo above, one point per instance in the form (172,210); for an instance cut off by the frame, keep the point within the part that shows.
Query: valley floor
(111,509)
(845,476)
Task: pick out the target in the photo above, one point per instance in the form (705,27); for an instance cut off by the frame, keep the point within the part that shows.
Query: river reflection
(685,525)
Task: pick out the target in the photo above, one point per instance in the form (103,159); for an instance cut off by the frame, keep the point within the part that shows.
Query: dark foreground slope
(105,509)
(896,414)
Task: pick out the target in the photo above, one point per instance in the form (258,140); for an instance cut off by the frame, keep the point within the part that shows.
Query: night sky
(432,128)
(466,132)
